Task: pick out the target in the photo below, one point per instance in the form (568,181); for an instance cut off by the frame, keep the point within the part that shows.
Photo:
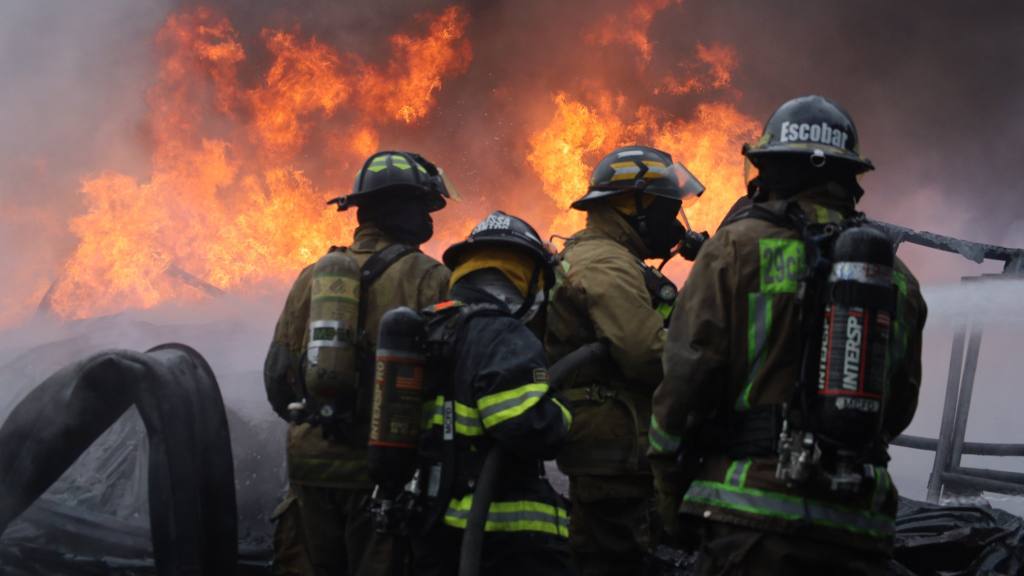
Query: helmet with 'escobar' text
(639,169)
(811,126)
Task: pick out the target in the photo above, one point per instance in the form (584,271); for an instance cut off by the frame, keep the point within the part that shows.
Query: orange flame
(630,27)
(212,211)
(712,71)
(565,151)
(229,205)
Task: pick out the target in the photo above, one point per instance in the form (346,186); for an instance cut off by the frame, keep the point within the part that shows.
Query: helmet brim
(433,200)
(456,253)
(859,163)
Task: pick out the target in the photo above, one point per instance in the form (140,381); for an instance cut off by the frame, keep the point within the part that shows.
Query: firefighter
(322,525)
(493,391)
(607,293)
(749,424)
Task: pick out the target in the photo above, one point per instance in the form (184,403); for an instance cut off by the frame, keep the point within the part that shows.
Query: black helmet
(394,172)
(500,229)
(640,169)
(810,126)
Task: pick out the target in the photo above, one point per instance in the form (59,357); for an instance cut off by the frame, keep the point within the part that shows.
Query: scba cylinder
(860,303)
(397,410)
(330,371)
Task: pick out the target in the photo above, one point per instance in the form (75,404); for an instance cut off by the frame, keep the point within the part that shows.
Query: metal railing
(947,473)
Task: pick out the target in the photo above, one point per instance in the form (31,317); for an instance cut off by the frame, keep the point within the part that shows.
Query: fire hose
(193,516)
(473,537)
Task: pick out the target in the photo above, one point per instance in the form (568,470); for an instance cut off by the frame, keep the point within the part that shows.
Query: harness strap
(371,270)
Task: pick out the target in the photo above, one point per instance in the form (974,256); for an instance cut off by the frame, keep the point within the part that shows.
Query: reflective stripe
(881,488)
(662,442)
(899,326)
(862,272)
(759,321)
(566,414)
(467,420)
(512,516)
(501,406)
(789,507)
(737,473)
(823,215)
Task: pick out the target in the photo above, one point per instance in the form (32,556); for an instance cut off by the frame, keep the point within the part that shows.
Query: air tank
(330,371)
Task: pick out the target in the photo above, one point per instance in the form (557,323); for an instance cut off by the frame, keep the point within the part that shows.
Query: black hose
(470,554)
(193,515)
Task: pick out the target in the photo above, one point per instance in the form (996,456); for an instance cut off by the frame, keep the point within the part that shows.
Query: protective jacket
(415,280)
(493,391)
(734,345)
(497,394)
(602,296)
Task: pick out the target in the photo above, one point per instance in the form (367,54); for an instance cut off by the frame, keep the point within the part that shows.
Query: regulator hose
(470,555)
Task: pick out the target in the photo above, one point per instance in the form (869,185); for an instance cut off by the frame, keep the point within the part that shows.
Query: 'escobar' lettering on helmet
(800,124)
(816,133)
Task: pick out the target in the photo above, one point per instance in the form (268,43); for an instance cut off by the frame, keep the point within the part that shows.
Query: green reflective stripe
(736,475)
(822,215)
(501,406)
(665,310)
(467,419)
(782,264)
(882,481)
(899,330)
(759,321)
(743,474)
(788,507)
(566,414)
(381,163)
(661,441)
(512,516)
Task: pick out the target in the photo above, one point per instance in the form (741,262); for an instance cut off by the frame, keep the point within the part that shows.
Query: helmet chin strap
(641,217)
(524,308)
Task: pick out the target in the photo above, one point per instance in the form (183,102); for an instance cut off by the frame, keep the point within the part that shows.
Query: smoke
(934,90)
(75,78)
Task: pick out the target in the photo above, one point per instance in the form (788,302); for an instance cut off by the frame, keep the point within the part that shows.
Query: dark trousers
(337,533)
(737,551)
(610,523)
(504,554)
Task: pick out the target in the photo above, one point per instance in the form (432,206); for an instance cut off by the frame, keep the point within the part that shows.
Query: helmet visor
(448,189)
(688,183)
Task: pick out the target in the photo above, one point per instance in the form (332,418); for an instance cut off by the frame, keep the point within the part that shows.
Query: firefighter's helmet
(811,126)
(501,229)
(394,172)
(639,169)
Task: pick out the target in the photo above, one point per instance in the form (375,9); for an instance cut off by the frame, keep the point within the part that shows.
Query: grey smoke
(935,89)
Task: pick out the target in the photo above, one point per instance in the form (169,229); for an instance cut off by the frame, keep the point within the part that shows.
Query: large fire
(229,204)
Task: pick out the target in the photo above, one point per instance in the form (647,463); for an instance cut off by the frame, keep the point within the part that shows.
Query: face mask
(658,226)
(404,220)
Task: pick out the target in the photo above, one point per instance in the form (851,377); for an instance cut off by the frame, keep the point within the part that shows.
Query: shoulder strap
(374,268)
(661,290)
(790,219)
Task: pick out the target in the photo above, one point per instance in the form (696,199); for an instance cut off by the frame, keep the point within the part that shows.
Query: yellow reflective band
(467,419)
(400,162)
(566,414)
(512,516)
(499,407)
